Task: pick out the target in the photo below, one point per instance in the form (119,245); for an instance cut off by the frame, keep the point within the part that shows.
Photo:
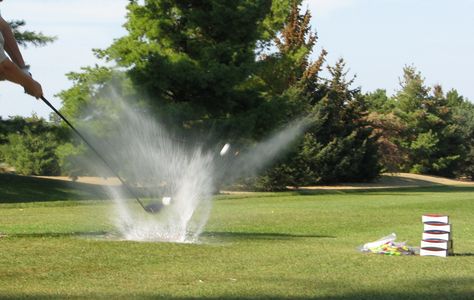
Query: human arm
(15,70)
(11,72)
(11,45)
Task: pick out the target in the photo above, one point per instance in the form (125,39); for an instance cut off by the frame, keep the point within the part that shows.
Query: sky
(376,38)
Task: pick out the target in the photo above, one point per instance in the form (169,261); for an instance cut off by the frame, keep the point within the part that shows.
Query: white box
(435,218)
(435,234)
(437,226)
(434,252)
(437,243)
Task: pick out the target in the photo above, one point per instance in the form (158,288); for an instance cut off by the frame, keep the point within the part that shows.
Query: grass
(273,246)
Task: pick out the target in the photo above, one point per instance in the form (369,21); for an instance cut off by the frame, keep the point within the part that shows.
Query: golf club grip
(94,150)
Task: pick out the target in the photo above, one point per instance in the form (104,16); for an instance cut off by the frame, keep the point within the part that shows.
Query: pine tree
(340,145)
(290,65)
(26,37)
(193,63)
(432,139)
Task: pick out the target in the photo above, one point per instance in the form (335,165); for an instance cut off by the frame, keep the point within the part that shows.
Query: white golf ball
(225,149)
(166,200)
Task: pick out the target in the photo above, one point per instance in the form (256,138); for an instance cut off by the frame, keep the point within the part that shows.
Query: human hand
(26,70)
(34,89)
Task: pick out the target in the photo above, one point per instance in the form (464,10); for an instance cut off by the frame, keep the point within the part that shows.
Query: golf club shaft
(127,187)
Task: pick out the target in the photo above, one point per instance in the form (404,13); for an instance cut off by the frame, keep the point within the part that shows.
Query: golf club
(151,208)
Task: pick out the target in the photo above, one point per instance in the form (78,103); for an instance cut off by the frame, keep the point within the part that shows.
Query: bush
(71,160)
(32,153)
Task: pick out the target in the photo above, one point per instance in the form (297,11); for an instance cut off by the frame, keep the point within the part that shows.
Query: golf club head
(153,208)
(156,207)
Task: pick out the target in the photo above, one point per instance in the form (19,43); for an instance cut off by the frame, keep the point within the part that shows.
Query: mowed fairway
(268,245)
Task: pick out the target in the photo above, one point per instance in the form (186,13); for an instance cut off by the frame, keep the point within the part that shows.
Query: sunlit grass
(275,246)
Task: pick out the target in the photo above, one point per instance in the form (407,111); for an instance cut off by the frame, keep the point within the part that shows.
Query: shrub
(32,153)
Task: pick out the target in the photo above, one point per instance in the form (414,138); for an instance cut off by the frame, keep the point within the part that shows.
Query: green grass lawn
(273,246)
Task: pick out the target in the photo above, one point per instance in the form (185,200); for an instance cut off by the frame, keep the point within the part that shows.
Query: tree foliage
(419,129)
(240,70)
(195,61)
(26,37)
(29,145)
(340,145)
(192,64)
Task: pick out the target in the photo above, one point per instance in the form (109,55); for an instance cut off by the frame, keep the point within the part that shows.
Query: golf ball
(166,200)
(225,149)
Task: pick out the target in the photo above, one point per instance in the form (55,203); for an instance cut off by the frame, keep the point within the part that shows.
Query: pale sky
(377,38)
(79,25)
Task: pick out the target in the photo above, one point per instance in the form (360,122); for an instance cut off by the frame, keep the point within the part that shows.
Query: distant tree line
(242,70)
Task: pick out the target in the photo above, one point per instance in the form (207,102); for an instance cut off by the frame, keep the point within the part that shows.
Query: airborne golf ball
(225,149)
(166,200)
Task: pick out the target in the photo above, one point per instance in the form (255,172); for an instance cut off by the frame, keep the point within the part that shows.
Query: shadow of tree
(18,189)
(59,234)
(260,235)
(444,290)
(389,191)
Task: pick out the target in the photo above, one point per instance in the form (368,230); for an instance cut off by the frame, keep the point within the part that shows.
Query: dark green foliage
(420,129)
(208,70)
(379,102)
(340,145)
(388,128)
(195,61)
(29,145)
(432,139)
(29,37)
(32,154)
(463,118)
(192,64)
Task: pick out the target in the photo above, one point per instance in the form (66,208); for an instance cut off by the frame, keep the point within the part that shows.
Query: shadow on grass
(464,254)
(205,235)
(91,234)
(448,294)
(260,235)
(22,189)
(389,191)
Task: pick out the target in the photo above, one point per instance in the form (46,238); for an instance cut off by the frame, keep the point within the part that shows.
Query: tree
(291,66)
(388,128)
(339,145)
(194,61)
(25,37)
(342,147)
(29,145)
(192,64)
(463,116)
(432,139)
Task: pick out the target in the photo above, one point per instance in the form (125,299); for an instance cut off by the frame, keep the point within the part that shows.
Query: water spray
(184,175)
(166,201)
(151,208)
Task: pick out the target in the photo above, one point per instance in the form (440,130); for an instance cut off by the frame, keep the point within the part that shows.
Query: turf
(257,246)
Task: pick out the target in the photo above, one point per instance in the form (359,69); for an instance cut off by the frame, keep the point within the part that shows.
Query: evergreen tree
(193,63)
(432,139)
(26,37)
(339,146)
(342,147)
(387,129)
(463,117)
(29,145)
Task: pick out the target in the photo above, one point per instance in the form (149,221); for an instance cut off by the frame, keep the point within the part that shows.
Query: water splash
(159,166)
